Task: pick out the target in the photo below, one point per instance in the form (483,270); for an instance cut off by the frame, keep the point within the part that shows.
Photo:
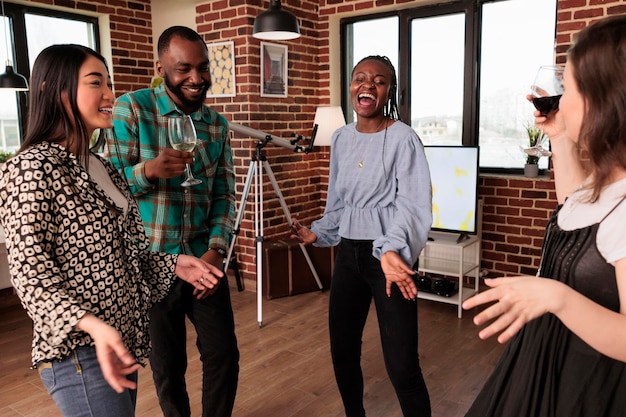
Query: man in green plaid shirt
(194,220)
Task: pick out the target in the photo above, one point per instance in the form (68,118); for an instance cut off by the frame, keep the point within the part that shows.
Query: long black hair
(391,106)
(53,80)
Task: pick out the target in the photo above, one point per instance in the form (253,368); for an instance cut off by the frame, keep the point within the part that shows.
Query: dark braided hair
(391,106)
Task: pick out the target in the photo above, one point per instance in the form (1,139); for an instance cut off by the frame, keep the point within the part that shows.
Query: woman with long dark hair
(76,246)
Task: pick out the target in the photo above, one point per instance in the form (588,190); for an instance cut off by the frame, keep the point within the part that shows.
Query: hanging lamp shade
(12,80)
(276,24)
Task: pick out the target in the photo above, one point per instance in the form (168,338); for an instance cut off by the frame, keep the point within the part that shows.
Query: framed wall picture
(222,68)
(273,70)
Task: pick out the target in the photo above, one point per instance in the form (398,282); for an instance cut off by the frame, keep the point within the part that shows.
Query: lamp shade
(276,24)
(9,79)
(327,119)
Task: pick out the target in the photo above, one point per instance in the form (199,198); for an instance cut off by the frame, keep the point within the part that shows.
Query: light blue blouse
(388,199)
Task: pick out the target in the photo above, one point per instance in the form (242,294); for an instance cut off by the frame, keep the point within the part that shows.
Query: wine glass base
(191,182)
(536,151)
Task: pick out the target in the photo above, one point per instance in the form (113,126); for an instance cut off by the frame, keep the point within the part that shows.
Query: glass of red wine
(547,89)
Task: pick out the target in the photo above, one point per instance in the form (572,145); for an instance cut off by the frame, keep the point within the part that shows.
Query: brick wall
(515,213)
(301,178)
(131,37)
(573,15)
(515,209)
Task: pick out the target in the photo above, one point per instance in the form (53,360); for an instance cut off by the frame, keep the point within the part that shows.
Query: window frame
(17,22)
(472,9)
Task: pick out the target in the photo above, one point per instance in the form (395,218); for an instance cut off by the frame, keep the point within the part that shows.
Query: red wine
(546,105)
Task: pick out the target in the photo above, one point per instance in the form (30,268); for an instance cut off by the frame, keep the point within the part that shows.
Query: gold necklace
(361,156)
(364,149)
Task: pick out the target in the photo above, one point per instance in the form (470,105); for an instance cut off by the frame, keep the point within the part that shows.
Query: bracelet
(220,251)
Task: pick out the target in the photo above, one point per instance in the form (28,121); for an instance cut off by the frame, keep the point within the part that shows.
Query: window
(506,74)
(386,45)
(464,70)
(437,107)
(27,31)
(9,126)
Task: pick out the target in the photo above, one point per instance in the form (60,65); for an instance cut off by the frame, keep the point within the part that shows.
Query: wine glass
(537,150)
(182,136)
(547,89)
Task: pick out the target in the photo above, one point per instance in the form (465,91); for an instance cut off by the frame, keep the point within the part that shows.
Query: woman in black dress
(566,328)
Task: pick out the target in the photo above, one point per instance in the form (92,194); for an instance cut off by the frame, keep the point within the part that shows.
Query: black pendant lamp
(276,24)
(10,79)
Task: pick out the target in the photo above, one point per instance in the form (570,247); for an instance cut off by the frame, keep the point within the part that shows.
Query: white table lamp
(327,119)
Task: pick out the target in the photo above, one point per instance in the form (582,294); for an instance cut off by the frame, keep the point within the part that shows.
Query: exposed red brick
(588,13)
(515,210)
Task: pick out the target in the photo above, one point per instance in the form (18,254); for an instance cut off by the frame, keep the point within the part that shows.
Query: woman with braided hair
(378,212)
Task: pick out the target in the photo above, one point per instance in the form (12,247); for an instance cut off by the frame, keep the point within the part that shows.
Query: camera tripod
(258,164)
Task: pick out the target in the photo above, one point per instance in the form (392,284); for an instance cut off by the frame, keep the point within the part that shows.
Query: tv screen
(454,177)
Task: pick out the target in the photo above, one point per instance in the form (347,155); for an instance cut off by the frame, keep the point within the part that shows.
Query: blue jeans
(79,390)
(357,278)
(214,323)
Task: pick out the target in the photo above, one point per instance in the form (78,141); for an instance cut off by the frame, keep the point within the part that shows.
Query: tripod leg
(283,204)
(254,171)
(238,219)
(258,221)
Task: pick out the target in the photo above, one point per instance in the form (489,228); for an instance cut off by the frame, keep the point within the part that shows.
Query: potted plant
(535,150)
(5,156)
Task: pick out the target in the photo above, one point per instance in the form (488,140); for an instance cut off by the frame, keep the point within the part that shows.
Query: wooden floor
(285,364)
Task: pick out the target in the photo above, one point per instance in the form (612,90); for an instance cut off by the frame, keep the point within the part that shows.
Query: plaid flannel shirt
(177,219)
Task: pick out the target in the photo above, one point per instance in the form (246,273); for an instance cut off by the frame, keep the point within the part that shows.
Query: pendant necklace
(362,154)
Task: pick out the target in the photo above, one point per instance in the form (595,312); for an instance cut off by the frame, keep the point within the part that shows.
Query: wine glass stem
(189,174)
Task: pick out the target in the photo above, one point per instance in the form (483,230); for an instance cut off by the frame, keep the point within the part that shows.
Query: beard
(178,92)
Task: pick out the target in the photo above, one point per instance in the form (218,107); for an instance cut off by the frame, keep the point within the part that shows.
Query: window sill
(543,176)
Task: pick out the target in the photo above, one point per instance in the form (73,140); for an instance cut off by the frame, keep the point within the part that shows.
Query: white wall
(166,13)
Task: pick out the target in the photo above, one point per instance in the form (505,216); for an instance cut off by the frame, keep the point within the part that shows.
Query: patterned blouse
(72,251)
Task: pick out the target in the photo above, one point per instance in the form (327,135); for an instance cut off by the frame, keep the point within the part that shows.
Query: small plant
(155,82)
(536,137)
(5,156)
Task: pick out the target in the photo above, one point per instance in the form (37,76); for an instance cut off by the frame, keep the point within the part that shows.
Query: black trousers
(357,279)
(213,320)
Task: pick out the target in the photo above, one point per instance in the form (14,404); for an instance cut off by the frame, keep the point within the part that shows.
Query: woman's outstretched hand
(301,233)
(116,362)
(398,272)
(516,301)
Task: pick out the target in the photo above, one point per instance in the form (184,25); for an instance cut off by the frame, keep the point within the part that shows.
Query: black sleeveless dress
(546,370)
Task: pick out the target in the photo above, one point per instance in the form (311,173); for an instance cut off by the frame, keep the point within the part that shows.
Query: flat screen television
(454,177)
